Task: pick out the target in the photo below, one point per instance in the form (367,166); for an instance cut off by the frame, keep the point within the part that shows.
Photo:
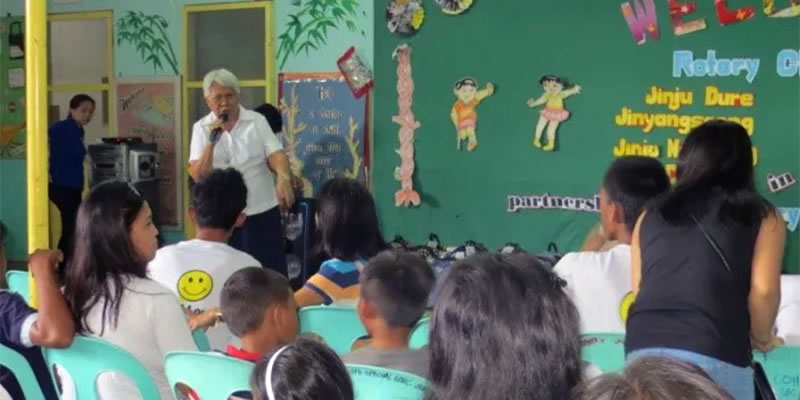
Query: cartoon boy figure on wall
(463,113)
(553,113)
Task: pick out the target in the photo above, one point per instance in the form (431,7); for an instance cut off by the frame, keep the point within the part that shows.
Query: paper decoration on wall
(780,182)
(355,72)
(16,77)
(546,201)
(406,196)
(641,19)
(792,217)
(404,17)
(677,11)
(729,17)
(793,11)
(16,41)
(454,7)
(554,113)
(463,114)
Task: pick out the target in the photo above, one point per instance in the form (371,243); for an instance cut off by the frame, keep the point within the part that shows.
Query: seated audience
(109,293)
(788,321)
(196,269)
(653,378)
(394,292)
(706,262)
(303,370)
(22,328)
(348,227)
(259,308)
(503,329)
(599,281)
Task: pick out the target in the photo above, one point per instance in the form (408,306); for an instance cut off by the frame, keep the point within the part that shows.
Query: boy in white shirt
(599,283)
(787,323)
(196,269)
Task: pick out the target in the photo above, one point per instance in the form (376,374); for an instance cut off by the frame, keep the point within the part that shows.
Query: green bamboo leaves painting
(149,34)
(309,23)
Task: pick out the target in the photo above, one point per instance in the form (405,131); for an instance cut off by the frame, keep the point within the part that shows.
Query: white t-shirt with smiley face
(195,270)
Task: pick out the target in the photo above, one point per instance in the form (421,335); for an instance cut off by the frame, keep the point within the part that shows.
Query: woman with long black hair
(109,293)
(706,262)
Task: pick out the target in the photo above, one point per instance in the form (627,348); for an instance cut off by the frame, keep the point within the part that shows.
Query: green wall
(129,63)
(464,195)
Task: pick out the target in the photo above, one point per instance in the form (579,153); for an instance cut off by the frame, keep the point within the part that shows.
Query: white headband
(268,377)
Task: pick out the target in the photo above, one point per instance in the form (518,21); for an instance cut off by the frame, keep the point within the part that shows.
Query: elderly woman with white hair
(233,136)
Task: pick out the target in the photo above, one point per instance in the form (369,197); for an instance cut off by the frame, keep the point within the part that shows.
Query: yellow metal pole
(36,117)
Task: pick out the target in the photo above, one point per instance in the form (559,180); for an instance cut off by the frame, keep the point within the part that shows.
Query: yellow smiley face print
(195,285)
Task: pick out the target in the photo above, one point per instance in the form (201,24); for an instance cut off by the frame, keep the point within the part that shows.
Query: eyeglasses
(219,99)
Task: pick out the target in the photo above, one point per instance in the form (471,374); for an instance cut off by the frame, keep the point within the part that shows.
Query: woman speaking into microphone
(233,136)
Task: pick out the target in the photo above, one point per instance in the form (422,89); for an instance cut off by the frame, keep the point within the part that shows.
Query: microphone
(217,131)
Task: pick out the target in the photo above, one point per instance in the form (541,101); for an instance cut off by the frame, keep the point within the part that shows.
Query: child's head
(303,370)
(218,201)
(394,291)
(465,89)
(348,221)
(503,328)
(115,238)
(629,184)
(653,378)
(552,83)
(273,116)
(259,302)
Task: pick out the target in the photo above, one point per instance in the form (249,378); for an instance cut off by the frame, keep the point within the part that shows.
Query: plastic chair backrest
(201,340)
(606,351)
(209,375)
(782,367)
(22,372)
(419,335)
(88,357)
(18,283)
(338,326)
(371,383)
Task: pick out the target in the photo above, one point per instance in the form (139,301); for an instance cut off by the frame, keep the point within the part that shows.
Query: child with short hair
(258,306)
(394,293)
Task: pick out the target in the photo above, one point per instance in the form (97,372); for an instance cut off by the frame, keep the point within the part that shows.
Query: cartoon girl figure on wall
(553,113)
(463,113)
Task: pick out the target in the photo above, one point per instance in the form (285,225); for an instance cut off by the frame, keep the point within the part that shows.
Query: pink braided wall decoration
(406,196)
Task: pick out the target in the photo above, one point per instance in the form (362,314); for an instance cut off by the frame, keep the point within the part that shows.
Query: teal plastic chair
(22,372)
(338,326)
(782,367)
(18,283)
(209,375)
(201,340)
(419,335)
(370,383)
(606,351)
(87,358)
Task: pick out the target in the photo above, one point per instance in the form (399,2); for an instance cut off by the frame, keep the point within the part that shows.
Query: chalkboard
(466,195)
(325,132)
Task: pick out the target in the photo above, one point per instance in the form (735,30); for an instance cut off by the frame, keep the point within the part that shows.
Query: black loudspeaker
(300,236)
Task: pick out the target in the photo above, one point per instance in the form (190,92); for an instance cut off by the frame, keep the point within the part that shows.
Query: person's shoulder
(337,265)
(13,303)
(147,287)
(582,260)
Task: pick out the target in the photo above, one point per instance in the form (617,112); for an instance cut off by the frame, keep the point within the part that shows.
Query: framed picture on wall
(149,108)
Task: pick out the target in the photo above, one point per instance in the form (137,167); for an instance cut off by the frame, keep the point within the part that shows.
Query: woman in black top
(706,263)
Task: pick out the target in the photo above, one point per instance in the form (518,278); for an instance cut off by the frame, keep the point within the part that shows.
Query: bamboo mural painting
(148,33)
(309,23)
